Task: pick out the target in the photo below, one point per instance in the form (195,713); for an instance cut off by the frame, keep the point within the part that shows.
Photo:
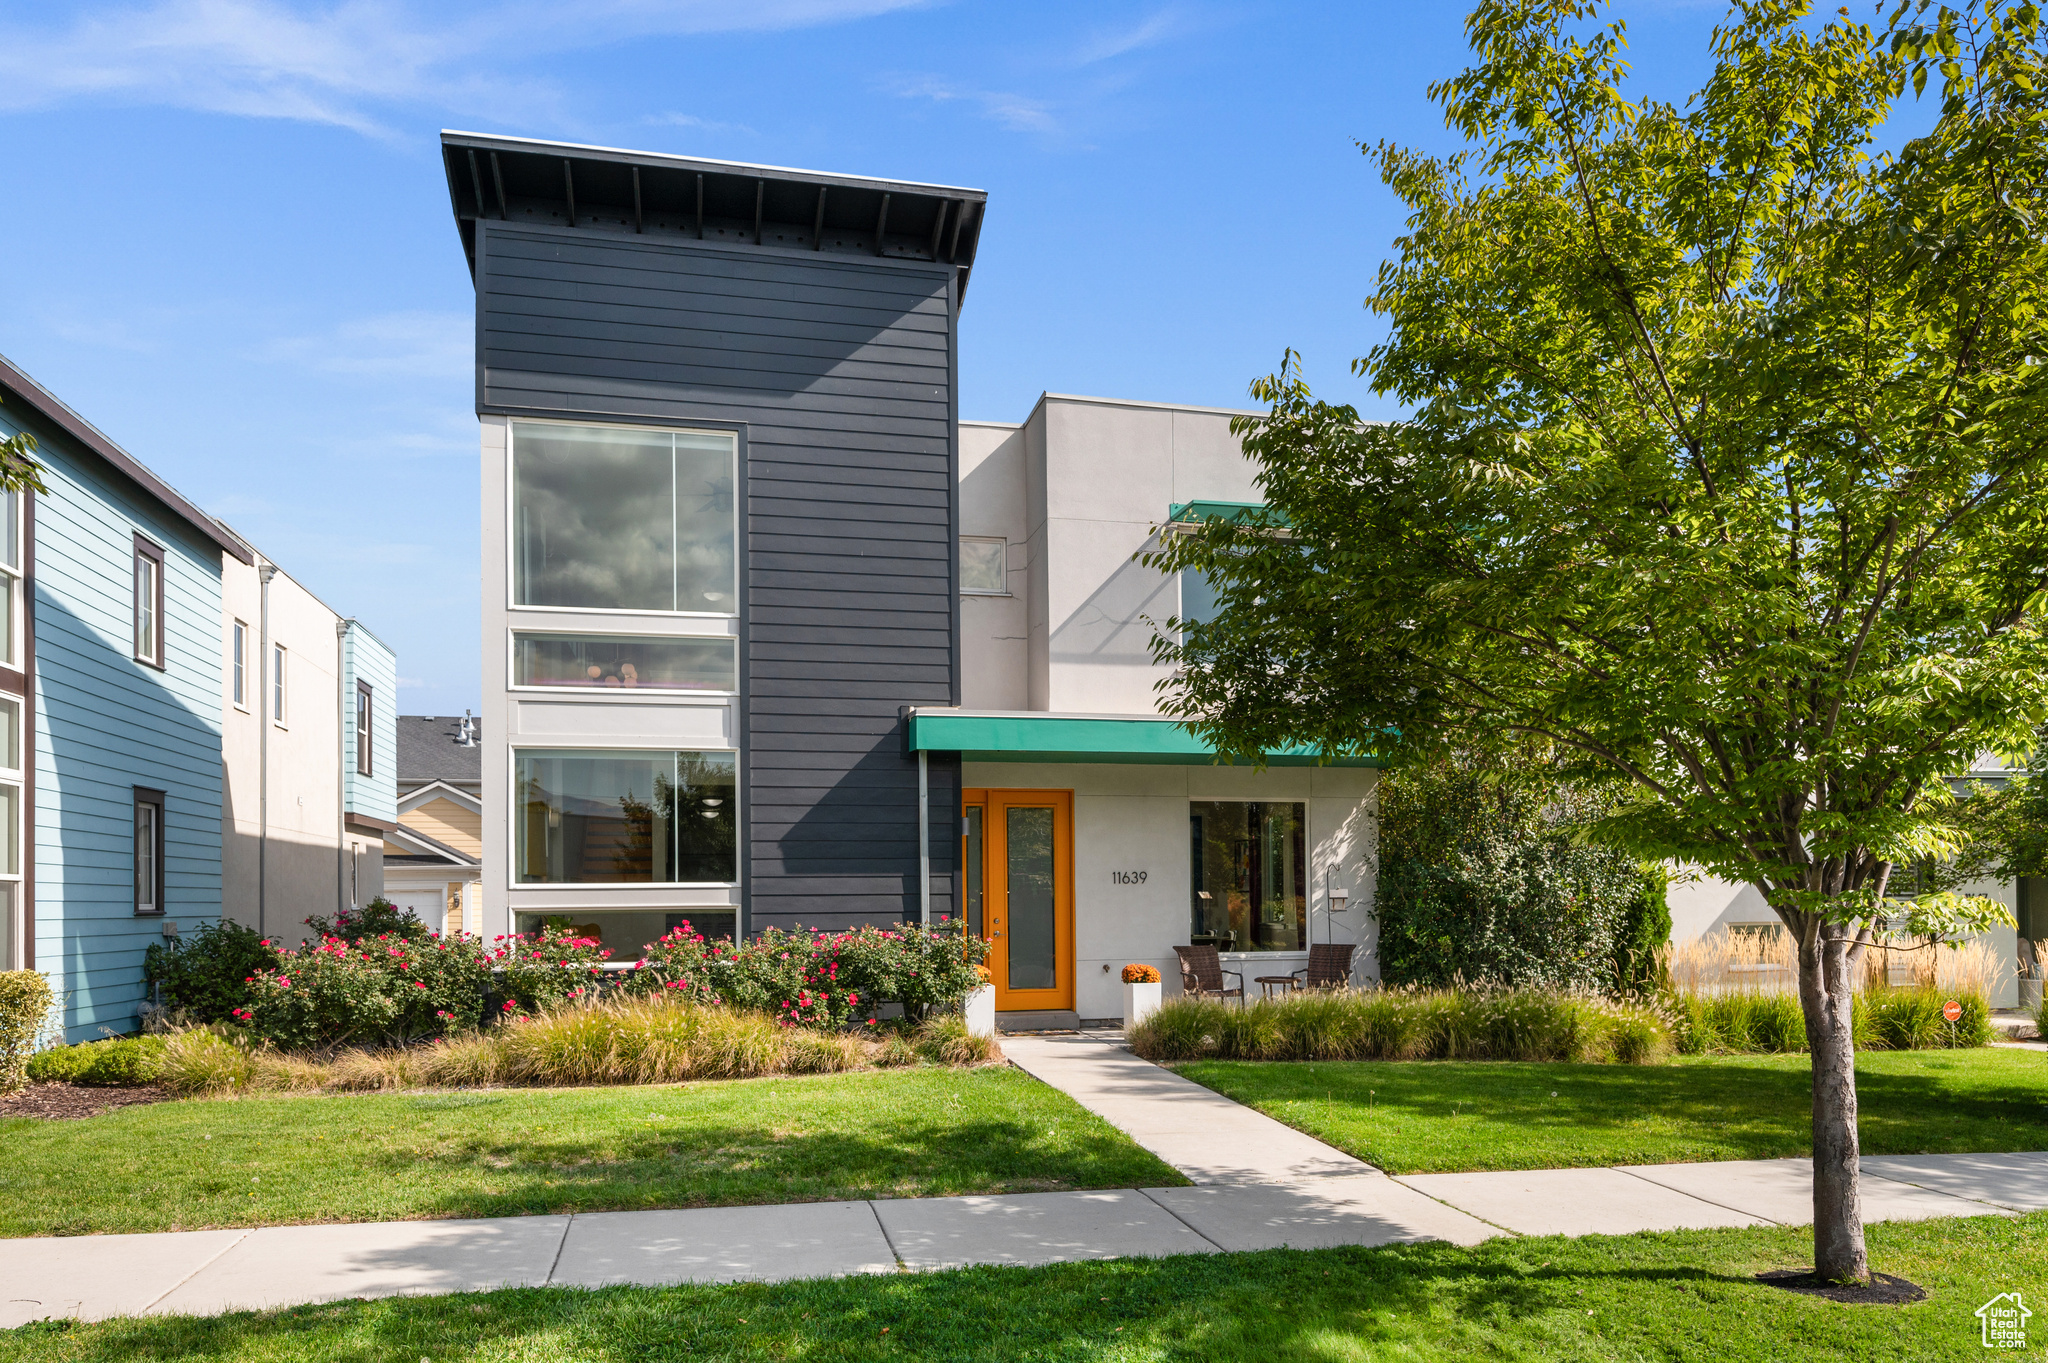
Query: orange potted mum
(1141,992)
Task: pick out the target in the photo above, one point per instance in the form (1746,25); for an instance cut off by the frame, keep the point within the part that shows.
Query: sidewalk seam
(883,1227)
(1141,1192)
(560,1245)
(1739,1211)
(1862,1173)
(150,1305)
(1463,1211)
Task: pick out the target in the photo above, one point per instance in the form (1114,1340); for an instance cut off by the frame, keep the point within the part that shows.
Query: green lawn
(278,1160)
(1646,1297)
(1443,1116)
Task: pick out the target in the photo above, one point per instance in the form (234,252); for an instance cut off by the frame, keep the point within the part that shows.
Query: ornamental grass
(1405,1024)
(626,1040)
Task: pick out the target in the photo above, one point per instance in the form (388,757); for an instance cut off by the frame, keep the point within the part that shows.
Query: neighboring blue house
(110,713)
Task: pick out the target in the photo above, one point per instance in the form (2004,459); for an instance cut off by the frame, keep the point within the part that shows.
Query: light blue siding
(106,724)
(366,658)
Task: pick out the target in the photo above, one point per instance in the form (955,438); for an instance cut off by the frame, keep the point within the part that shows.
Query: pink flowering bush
(545,970)
(819,979)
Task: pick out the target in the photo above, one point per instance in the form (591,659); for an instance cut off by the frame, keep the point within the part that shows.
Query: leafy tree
(1724,471)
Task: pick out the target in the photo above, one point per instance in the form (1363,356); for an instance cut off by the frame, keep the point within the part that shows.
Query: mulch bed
(1883,1290)
(61,1102)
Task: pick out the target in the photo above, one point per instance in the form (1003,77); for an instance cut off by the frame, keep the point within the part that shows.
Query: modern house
(771,638)
(433,858)
(308,709)
(110,718)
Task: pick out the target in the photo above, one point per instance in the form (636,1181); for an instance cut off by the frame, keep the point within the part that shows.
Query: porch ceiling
(1038,736)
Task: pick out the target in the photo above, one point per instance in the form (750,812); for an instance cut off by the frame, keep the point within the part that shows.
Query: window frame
(279,655)
(152,800)
(739,457)
(1307,871)
(556,887)
(13,515)
(238,665)
(366,729)
(1001,540)
(150,552)
(640,693)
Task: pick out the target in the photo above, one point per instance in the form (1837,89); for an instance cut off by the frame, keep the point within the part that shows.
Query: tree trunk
(1827,998)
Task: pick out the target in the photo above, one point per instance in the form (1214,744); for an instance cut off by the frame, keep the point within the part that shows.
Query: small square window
(984,567)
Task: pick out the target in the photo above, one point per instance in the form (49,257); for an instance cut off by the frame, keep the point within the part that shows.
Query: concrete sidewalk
(1258,1185)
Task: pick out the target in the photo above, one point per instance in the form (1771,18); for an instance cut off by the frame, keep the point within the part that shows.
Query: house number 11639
(1127,877)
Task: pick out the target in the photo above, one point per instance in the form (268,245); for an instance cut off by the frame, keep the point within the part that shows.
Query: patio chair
(1202,972)
(1329,966)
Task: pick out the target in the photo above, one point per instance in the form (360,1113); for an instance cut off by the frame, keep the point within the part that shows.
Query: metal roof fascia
(53,409)
(1070,738)
(1189,512)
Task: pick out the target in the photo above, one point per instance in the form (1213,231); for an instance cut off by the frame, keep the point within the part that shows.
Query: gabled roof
(19,387)
(434,847)
(643,193)
(439,790)
(428,750)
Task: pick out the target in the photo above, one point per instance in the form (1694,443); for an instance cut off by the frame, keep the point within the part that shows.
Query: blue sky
(227,240)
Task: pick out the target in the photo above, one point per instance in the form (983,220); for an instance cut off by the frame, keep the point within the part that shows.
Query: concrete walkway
(1258,1185)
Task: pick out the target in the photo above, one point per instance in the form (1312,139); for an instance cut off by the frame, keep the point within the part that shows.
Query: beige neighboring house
(433,857)
(307,702)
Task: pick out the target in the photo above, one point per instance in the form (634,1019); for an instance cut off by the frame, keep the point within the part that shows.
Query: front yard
(1633,1298)
(1447,1116)
(259,1161)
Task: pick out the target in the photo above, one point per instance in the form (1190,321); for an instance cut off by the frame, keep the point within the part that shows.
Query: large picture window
(625,817)
(634,661)
(605,518)
(1249,874)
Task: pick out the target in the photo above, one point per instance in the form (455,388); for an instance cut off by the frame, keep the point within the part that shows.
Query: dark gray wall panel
(840,372)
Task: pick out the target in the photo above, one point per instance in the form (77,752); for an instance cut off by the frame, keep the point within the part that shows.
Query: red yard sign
(1952,1010)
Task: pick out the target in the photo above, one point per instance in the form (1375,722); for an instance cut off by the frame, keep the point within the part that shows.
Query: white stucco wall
(1130,817)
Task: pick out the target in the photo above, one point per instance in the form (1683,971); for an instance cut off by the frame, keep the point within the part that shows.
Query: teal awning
(1012,736)
(1255,513)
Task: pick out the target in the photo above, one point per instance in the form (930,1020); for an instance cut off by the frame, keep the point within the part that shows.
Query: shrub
(378,918)
(551,968)
(206,976)
(114,1063)
(1643,935)
(822,979)
(1483,878)
(1911,1020)
(945,1040)
(25,1002)
(1400,1024)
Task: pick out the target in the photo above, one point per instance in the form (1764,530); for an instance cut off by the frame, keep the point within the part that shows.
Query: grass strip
(279,1160)
(1684,1295)
(1452,1116)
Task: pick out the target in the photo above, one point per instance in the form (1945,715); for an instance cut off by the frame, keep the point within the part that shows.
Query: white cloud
(707,125)
(426,345)
(1018,113)
(1160,26)
(341,62)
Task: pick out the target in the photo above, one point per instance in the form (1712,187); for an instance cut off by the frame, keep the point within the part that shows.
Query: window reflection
(1250,875)
(612,519)
(609,817)
(626,660)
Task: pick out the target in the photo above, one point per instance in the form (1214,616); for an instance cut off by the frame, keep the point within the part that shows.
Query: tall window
(625,817)
(10,576)
(277,661)
(238,665)
(11,808)
(605,518)
(149,603)
(363,711)
(1249,875)
(149,850)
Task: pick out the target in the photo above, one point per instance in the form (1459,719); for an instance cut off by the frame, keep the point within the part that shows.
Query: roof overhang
(47,405)
(1186,517)
(1039,736)
(422,845)
(641,193)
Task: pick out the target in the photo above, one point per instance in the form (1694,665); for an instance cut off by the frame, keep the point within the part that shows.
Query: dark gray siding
(841,374)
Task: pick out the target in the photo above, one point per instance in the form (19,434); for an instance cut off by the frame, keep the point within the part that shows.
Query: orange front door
(1017,861)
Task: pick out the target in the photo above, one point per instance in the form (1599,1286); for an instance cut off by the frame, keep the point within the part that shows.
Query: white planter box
(1140,1002)
(981,1011)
